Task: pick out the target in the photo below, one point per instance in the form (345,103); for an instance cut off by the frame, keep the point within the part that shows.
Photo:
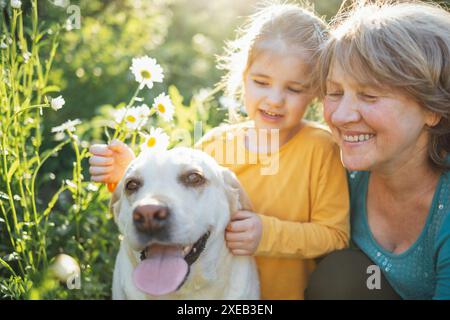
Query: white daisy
(129,116)
(3,45)
(16,4)
(163,105)
(143,112)
(57,103)
(157,140)
(68,125)
(146,71)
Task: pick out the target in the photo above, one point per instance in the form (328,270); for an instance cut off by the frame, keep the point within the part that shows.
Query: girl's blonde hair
(402,46)
(294,27)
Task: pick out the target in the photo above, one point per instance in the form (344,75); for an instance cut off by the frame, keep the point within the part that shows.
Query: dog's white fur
(217,274)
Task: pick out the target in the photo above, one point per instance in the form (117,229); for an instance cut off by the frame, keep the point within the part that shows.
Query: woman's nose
(346,111)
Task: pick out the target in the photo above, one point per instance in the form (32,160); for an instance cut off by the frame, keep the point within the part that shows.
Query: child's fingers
(236,236)
(116,145)
(234,245)
(240,252)
(100,161)
(242,214)
(101,178)
(95,171)
(238,226)
(101,150)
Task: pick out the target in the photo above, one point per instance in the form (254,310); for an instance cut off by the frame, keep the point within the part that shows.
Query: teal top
(422,271)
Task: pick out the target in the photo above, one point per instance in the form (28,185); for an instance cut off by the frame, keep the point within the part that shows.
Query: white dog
(172,209)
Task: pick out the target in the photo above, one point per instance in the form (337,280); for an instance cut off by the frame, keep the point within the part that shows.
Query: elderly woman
(386,78)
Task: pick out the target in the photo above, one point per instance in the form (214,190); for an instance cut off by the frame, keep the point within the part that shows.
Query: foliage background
(91,71)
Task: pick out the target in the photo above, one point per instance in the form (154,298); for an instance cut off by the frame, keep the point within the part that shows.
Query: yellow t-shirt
(301,195)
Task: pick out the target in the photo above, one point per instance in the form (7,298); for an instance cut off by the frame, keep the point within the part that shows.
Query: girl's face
(376,129)
(274,92)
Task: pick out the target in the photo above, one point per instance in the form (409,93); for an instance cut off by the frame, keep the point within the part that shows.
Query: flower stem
(117,132)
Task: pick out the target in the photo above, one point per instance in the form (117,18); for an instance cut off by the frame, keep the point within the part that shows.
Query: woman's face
(376,129)
(274,92)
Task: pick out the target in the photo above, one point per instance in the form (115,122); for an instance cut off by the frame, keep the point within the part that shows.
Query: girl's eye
(334,95)
(260,82)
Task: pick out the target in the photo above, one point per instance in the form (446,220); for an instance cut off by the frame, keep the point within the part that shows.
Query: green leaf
(13,168)
(51,89)
(7,266)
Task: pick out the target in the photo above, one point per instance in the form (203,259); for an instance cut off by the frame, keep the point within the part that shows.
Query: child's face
(376,129)
(274,93)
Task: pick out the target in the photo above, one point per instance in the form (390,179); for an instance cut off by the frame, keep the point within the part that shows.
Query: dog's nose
(150,217)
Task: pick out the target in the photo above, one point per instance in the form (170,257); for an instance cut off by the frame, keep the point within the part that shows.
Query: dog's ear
(237,197)
(114,204)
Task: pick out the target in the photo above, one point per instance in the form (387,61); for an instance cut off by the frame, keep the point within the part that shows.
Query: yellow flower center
(151,142)
(161,108)
(131,119)
(146,74)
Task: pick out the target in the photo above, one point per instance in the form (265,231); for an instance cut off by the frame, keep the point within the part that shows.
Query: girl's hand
(243,233)
(109,162)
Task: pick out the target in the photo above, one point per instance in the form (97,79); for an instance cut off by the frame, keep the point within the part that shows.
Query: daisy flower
(163,105)
(146,71)
(68,125)
(57,103)
(129,116)
(143,112)
(157,140)
(16,4)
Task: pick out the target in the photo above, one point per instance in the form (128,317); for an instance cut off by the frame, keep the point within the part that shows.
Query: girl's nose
(276,97)
(347,111)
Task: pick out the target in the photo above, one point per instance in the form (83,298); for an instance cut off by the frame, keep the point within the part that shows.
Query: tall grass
(26,59)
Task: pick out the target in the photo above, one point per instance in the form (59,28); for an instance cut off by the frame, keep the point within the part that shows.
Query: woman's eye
(295,90)
(368,97)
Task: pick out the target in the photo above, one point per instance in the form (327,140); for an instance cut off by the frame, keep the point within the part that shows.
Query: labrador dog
(172,209)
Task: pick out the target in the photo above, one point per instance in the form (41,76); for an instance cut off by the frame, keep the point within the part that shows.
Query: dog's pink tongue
(162,271)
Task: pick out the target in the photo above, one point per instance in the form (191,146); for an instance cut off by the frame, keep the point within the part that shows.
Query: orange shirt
(301,195)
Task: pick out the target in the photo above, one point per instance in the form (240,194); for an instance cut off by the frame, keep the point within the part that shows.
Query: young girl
(301,202)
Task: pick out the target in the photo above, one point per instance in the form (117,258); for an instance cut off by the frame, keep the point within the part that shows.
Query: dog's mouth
(164,268)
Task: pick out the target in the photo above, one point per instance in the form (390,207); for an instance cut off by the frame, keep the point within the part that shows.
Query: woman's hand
(243,233)
(109,162)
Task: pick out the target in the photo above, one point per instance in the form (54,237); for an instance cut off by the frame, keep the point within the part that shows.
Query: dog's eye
(132,185)
(193,179)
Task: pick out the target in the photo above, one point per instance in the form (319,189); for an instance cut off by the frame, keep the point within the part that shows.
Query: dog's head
(167,205)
